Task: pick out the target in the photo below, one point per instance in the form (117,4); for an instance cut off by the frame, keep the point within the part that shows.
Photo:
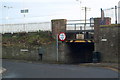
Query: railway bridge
(82,39)
(78,46)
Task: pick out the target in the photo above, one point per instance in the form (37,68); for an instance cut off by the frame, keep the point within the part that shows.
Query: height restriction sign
(62,36)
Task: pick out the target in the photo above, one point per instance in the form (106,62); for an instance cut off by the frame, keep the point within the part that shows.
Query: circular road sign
(62,36)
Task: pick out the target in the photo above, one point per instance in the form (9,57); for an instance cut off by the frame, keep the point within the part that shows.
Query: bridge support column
(58,25)
(97,23)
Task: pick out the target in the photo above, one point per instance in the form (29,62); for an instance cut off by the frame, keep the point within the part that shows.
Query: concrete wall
(108,43)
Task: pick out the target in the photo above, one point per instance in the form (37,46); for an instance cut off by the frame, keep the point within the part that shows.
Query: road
(40,70)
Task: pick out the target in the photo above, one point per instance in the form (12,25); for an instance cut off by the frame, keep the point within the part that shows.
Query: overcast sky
(46,10)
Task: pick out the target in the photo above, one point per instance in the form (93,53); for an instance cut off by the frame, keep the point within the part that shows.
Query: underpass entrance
(80,35)
(78,46)
(80,51)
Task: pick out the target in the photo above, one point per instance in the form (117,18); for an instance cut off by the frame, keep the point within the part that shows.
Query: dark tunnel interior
(81,52)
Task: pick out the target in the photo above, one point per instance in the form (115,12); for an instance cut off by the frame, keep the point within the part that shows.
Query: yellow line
(71,41)
(80,41)
(112,69)
(66,41)
(89,41)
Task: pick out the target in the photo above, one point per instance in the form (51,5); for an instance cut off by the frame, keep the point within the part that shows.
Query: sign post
(57,45)
(61,37)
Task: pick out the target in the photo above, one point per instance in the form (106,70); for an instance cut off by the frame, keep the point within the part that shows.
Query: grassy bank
(27,39)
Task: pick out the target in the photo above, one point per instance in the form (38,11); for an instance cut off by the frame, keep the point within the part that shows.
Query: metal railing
(80,25)
(81,29)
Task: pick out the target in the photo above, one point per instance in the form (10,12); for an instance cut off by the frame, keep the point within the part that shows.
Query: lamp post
(6,17)
(8,7)
(115,14)
(85,9)
(80,6)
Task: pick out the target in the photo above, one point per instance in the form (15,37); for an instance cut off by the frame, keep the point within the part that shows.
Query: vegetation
(112,25)
(27,39)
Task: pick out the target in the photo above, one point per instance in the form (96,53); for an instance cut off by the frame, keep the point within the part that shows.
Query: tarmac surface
(44,70)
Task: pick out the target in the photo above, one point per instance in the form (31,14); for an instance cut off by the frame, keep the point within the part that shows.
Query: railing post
(75,26)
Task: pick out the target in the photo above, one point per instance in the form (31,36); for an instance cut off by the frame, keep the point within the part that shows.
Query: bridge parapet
(80,29)
(74,29)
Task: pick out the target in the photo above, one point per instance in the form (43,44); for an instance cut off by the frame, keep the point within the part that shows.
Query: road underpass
(81,51)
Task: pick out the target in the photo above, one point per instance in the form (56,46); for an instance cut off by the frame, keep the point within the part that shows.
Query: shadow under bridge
(80,51)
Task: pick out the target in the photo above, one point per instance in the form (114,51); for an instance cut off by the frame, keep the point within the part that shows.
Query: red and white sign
(62,36)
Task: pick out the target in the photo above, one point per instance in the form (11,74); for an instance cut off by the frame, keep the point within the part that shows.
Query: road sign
(24,11)
(62,36)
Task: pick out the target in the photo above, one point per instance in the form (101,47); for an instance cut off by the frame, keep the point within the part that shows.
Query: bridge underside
(80,52)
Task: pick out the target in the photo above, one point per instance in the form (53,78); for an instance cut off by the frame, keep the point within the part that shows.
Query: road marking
(116,70)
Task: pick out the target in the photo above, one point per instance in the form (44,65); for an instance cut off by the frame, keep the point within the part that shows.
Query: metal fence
(80,24)
(25,27)
(113,13)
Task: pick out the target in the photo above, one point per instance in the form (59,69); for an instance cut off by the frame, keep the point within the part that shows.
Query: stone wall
(50,54)
(64,53)
(29,53)
(58,25)
(108,43)
(97,23)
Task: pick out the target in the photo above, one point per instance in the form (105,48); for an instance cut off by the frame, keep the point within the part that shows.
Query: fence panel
(25,27)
